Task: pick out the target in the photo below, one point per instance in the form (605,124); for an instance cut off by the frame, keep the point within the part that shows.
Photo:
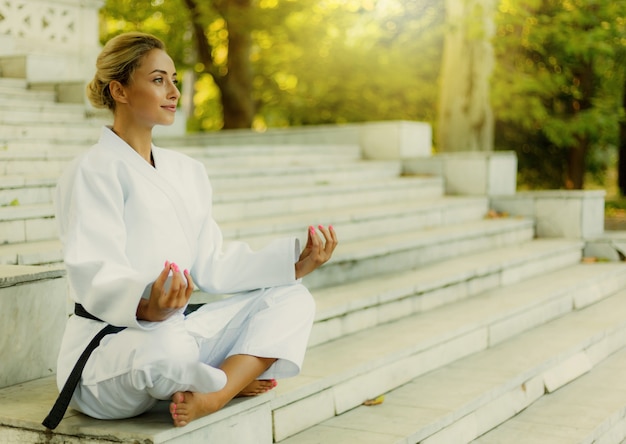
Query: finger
(316,242)
(325,232)
(176,282)
(310,236)
(333,233)
(330,243)
(159,283)
(190,286)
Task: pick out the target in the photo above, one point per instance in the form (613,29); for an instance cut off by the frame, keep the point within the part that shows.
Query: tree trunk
(465,121)
(577,158)
(236,85)
(235,81)
(621,163)
(576,166)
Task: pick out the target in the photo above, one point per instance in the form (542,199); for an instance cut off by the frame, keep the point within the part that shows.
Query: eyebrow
(161,72)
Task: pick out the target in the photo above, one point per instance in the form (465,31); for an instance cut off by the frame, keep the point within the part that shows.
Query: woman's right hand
(162,304)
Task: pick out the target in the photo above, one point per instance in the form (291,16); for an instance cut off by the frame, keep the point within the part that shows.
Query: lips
(170,107)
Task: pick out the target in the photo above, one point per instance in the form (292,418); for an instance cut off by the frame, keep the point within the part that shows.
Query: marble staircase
(469,326)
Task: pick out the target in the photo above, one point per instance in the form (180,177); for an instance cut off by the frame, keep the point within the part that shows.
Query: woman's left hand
(316,252)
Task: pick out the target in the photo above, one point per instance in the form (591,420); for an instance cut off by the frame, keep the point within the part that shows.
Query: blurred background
(544,78)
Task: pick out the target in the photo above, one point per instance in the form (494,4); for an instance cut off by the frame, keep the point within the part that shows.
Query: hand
(163,304)
(316,252)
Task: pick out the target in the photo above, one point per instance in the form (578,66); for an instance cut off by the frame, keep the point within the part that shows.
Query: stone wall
(59,37)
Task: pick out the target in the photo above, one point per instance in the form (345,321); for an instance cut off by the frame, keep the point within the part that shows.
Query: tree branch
(204,50)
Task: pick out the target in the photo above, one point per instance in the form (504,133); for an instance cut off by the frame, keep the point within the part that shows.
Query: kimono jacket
(120,219)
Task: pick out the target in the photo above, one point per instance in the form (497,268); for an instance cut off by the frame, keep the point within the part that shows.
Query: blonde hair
(117,61)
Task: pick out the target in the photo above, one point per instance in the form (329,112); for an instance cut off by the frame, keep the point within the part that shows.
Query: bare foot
(187,406)
(257,387)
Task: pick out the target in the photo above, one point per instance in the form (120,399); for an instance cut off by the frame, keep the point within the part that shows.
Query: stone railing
(49,41)
(41,26)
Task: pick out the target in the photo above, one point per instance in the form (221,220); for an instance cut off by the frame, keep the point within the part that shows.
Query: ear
(118,92)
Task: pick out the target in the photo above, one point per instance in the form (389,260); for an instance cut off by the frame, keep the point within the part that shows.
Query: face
(150,97)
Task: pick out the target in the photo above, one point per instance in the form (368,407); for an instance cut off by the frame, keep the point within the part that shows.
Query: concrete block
(494,412)
(251,426)
(471,173)
(569,214)
(395,140)
(325,331)
(32,316)
(566,371)
(519,322)
(359,388)
(40,229)
(12,231)
(395,310)
(305,413)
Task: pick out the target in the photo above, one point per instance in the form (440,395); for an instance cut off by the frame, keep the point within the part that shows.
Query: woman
(124,208)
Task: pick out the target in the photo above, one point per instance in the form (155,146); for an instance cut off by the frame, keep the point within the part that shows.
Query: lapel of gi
(151,174)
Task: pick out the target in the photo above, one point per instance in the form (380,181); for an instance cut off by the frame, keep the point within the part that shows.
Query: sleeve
(90,209)
(221,268)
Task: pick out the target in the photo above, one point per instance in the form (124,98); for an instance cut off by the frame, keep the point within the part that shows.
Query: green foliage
(558,85)
(315,62)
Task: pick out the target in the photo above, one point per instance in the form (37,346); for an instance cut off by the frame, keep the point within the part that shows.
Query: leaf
(376,401)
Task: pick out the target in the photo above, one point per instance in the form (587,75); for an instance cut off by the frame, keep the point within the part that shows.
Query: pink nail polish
(311,229)
(320,227)
(331,227)
(166,264)
(186,271)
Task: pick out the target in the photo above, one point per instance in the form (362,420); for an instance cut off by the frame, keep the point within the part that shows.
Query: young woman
(138,234)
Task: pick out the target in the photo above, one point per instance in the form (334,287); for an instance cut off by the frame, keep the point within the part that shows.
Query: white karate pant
(131,370)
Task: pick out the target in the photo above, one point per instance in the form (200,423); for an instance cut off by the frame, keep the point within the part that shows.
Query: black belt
(63,401)
(65,396)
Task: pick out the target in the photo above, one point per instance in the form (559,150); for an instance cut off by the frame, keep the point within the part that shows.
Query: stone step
(26,190)
(229,172)
(27,223)
(48,114)
(591,409)
(8,82)
(258,201)
(37,223)
(86,129)
(454,373)
(276,176)
(360,221)
(32,253)
(341,374)
(399,251)
(16,95)
(46,145)
(249,153)
(243,204)
(348,308)
(389,250)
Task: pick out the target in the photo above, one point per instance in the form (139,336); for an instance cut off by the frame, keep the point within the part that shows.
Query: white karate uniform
(120,219)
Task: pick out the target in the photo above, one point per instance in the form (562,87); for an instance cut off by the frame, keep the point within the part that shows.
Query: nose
(174,92)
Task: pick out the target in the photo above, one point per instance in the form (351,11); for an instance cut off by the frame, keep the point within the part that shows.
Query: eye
(175,81)
(158,80)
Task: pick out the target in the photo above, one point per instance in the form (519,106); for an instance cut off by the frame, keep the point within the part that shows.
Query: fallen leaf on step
(375,401)
(493,214)
(589,259)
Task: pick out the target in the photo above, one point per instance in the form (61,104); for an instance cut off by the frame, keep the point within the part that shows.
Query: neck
(139,139)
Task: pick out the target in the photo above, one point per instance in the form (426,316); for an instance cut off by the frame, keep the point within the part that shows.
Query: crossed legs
(241,372)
